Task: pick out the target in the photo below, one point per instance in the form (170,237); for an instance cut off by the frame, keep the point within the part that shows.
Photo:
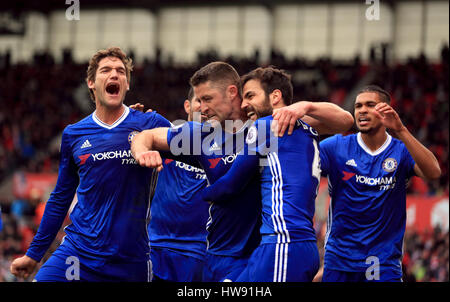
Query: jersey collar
(116,123)
(379,150)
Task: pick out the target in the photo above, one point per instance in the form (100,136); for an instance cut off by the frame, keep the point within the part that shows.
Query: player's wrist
(32,257)
(400,132)
(304,107)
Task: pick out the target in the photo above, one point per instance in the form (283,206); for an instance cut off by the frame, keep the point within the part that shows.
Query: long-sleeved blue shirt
(109,220)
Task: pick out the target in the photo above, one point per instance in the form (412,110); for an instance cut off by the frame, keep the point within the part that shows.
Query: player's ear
(91,84)
(187,106)
(276,97)
(232,91)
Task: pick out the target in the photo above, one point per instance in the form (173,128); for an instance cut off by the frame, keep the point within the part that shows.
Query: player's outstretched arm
(55,212)
(325,117)
(426,166)
(145,145)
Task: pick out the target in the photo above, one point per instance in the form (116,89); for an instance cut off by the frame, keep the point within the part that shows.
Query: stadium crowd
(39,99)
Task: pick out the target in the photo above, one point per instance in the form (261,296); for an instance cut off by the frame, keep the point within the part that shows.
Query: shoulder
(150,119)
(262,124)
(338,140)
(187,125)
(267,120)
(78,126)
(398,145)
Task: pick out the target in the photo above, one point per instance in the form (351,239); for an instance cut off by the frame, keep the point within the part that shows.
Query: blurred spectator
(15,238)
(426,256)
(40,99)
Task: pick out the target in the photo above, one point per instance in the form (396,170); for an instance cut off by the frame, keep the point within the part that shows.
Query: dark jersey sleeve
(185,143)
(244,167)
(235,180)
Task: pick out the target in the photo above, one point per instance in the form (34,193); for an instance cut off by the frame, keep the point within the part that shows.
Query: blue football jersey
(367,213)
(289,180)
(109,220)
(232,226)
(178,214)
(289,185)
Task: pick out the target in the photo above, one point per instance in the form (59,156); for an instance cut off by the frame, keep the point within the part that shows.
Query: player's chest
(103,147)
(219,154)
(374,173)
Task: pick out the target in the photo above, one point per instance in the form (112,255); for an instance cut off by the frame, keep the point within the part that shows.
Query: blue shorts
(223,268)
(282,262)
(169,265)
(66,265)
(385,275)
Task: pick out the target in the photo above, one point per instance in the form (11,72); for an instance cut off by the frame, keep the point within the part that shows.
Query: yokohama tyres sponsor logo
(188,168)
(371,181)
(226,160)
(384,183)
(124,155)
(112,155)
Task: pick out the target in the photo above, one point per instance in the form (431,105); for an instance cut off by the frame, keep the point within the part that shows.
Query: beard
(365,130)
(265,110)
(373,128)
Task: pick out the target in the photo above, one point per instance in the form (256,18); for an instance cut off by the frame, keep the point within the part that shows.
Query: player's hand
(287,117)
(23,267)
(140,107)
(137,106)
(389,118)
(318,277)
(150,159)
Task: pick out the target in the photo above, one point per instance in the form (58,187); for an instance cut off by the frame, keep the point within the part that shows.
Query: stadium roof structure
(19,6)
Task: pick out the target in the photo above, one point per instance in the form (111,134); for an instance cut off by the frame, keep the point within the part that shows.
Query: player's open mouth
(250,114)
(363,121)
(113,88)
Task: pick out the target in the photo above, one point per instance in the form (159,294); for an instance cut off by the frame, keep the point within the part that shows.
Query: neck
(238,115)
(278,105)
(374,140)
(109,115)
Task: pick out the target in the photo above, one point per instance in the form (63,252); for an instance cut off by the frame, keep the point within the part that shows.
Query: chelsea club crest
(389,164)
(131,135)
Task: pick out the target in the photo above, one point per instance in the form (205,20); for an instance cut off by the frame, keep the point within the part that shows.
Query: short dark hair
(383,94)
(190,94)
(220,73)
(271,78)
